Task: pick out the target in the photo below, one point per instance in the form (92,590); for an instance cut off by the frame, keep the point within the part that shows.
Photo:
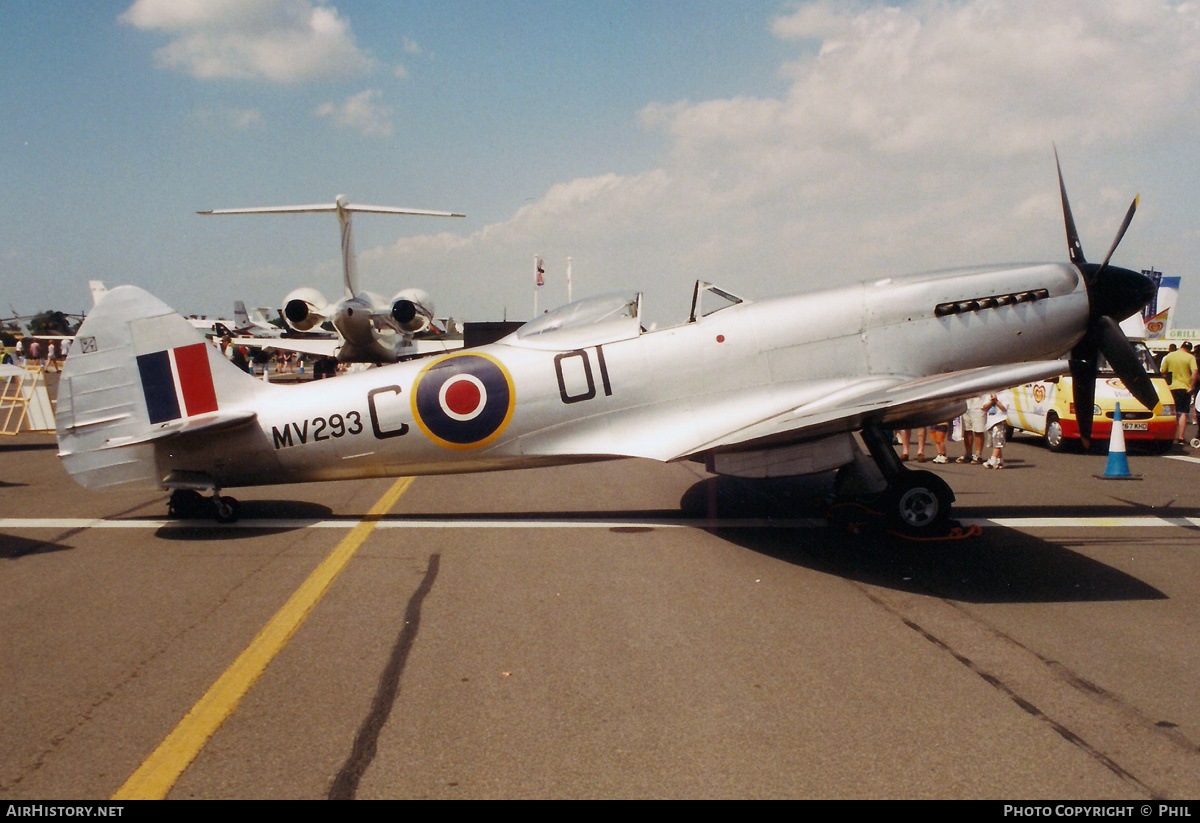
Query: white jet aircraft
(256,326)
(752,389)
(370,330)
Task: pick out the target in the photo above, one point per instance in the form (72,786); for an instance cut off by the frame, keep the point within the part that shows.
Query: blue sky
(767,146)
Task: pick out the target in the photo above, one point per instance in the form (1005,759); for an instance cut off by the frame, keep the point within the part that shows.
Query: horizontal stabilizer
(215,421)
(343,209)
(340,205)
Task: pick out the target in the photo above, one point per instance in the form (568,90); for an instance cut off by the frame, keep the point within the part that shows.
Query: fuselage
(575,394)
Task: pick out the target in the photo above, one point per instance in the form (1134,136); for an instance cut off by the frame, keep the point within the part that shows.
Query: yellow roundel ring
(464,400)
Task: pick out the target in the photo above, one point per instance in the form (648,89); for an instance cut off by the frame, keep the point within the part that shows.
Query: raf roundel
(463,401)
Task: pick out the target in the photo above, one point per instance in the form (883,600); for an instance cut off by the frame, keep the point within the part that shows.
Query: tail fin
(98,290)
(343,209)
(240,315)
(139,373)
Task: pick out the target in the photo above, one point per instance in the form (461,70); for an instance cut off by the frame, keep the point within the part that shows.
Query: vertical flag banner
(1167,294)
(1156,326)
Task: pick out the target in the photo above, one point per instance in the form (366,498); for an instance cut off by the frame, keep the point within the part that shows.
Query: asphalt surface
(593,631)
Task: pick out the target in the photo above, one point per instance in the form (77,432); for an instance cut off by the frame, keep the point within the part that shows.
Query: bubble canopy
(608,318)
(602,319)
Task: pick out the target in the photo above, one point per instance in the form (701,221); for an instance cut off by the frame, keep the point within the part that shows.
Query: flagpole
(537,281)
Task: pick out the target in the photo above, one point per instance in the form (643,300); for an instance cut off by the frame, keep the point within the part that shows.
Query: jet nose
(1119,293)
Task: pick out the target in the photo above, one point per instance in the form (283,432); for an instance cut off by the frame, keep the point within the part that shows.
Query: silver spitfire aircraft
(753,389)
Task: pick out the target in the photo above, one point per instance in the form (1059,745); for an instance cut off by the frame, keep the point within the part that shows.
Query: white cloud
(361,113)
(987,78)
(413,49)
(282,41)
(910,138)
(226,119)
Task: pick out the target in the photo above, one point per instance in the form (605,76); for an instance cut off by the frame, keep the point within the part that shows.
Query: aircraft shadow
(539,516)
(14,548)
(1000,566)
(1129,510)
(301,510)
(29,447)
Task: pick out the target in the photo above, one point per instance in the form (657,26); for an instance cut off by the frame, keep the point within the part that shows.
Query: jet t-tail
(370,329)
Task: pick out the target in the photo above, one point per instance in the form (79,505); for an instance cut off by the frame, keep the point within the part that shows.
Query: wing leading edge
(774,416)
(905,402)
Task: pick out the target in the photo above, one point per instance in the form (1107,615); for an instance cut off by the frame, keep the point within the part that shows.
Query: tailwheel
(225,508)
(918,502)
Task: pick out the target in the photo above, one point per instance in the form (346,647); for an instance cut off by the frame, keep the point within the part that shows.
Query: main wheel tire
(226,509)
(919,503)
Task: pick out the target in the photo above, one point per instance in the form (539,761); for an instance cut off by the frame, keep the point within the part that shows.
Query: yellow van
(1047,408)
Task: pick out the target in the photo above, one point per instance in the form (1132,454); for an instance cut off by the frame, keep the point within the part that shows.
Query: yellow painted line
(155,777)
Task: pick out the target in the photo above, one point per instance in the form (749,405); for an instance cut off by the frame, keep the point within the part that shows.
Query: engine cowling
(304,309)
(412,309)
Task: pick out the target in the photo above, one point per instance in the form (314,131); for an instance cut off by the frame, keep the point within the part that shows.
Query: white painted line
(1085,522)
(1133,522)
(1184,458)
(405,523)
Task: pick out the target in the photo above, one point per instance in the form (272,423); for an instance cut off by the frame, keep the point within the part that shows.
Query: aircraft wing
(775,415)
(890,404)
(318,346)
(328,347)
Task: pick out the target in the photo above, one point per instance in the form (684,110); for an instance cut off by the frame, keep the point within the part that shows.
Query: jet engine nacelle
(304,309)
(412,309)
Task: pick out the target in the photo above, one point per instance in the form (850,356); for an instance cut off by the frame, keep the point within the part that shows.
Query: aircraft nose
(1121,292)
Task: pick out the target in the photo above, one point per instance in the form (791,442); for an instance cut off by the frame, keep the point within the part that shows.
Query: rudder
(138,372)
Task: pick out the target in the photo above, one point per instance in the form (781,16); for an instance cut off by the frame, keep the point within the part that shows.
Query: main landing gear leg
(915,502)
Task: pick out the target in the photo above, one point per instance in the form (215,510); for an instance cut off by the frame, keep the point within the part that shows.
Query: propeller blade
(1119,293)
(1083,385)
(1124,360)
(1073,244)
(1120,233)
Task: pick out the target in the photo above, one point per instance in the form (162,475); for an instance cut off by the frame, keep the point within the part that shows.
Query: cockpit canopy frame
(593,321)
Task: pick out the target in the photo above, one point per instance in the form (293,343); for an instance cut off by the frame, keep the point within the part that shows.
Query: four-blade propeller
(1113,294)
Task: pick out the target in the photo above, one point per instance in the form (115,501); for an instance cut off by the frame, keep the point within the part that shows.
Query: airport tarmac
(589,631)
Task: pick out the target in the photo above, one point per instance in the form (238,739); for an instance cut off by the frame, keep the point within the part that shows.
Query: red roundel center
(462,397)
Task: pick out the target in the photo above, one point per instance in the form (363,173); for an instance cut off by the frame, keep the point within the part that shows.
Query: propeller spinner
(1113,294)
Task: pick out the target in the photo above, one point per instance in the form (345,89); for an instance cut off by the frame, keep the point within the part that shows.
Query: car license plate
(1135,426)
